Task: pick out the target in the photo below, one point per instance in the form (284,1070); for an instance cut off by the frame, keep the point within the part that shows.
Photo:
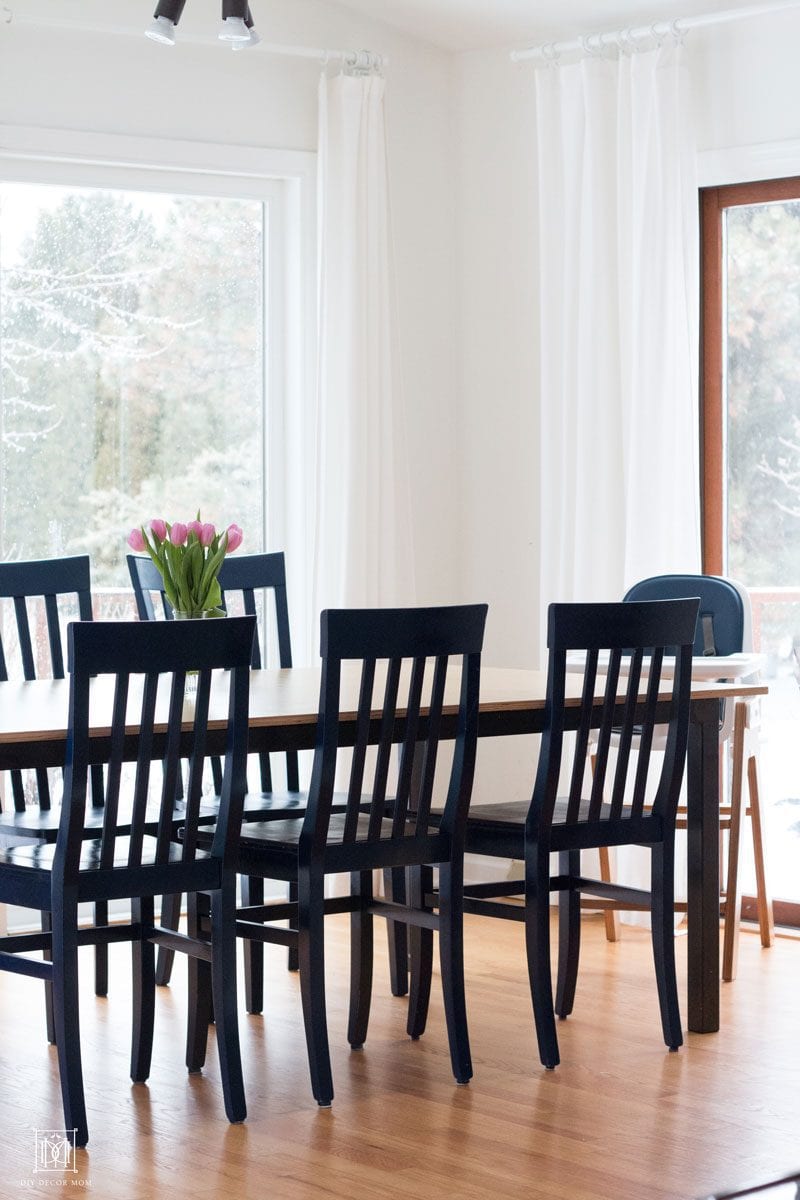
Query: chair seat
(27,870)
(498,828)
(279,839)
(39,855)
(42,824)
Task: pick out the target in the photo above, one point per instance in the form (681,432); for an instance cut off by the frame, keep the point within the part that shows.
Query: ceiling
(477,24)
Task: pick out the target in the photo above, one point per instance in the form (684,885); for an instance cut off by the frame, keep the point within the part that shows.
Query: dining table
(283,716)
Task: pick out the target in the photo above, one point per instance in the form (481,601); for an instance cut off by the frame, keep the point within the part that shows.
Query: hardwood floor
(621,1118)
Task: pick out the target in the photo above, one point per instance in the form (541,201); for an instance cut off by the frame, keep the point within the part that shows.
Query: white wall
(746,81)
(53,78)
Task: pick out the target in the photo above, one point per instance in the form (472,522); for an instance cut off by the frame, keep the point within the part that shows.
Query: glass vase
(190,687)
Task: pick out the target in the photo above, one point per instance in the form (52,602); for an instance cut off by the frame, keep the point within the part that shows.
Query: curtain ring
(550,54)
(678,33)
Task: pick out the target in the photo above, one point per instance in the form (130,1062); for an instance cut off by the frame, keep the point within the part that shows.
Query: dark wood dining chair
(241,578)
(631,799)
(45,594)
(400,659)
(138,858)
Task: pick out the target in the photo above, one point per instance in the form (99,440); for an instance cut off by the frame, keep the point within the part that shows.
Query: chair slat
(172,767)
(583,735)
(646,732)
(24,635)
(54,636)
(408,748)
(194,790)
(431,745)
(114,772)
(141,787)
(359,759)
(606,730)
(383,758)
(625,733)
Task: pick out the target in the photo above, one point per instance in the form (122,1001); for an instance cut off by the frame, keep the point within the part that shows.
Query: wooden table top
(37,710)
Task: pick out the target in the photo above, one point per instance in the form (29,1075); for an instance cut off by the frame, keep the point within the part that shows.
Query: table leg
(702,786)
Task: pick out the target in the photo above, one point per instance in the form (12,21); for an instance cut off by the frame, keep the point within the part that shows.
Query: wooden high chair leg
(733,900)
(766,922)
(611,916)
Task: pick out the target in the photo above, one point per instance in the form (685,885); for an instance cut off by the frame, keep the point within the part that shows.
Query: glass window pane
(762,510)
(132,368)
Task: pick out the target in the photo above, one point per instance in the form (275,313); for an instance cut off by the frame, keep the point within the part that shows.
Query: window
(156,300)
(751,435)
(133,366)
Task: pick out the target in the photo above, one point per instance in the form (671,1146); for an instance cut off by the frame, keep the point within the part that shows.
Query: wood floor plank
(620,1119)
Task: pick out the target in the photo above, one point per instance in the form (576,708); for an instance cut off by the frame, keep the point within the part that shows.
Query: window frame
(714,200)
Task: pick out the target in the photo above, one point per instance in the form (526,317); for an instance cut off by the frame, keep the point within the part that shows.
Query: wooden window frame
(713,203)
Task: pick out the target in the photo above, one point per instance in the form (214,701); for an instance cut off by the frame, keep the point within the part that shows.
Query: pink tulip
(195,527)
(207,535)
(235,536)
(178,534)
(135,540)
(159,529)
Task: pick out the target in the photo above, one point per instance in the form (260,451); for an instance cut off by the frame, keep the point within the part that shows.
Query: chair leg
(662,925)
(170,919)
(451,956)
(569,934)
(733,899)
(292,963)
(537,945)
(47,926)
(394,883)
(200,1004)
(361,954)
(101,952)
(311,958)
(253,893)
(144,991)
(766,920)
(610,916)
(226,1016)
(65,1013)
(420,950)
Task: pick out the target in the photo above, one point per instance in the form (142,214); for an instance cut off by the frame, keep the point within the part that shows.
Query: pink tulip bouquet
(188,558)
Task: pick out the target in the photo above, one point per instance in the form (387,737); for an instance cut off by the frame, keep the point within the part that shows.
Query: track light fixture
(236,28)
(165,18)
(252,37)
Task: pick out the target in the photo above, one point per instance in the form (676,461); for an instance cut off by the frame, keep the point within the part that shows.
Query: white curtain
(362,553)
(618,245)
(619,325)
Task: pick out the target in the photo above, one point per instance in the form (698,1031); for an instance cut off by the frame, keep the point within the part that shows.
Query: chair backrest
(45,580)
(43,583)
(148,665)
(721,619)
(401,659)
(245,574)
(647,682)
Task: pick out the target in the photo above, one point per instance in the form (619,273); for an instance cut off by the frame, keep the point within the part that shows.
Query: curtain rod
(359,60)
(597,41)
